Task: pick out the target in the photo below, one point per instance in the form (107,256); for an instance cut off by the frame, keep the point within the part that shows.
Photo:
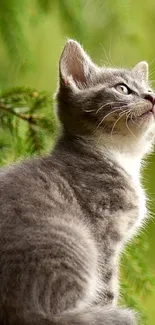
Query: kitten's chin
(143,122)
(145,119)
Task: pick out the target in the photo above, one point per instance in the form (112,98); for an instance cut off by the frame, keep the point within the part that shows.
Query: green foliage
(71,11)
(137,280)
(45,5)
(15,15)
(23,120)
(12,15)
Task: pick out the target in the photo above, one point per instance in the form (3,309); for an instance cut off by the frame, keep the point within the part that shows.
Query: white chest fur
(131,165)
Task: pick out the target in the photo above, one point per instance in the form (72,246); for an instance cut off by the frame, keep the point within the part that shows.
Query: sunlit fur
(90,106)
(65,217)
(103,111)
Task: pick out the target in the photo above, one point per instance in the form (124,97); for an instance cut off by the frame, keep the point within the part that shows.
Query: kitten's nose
(150,97)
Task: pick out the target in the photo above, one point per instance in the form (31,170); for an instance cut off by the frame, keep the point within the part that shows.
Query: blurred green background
(115,33)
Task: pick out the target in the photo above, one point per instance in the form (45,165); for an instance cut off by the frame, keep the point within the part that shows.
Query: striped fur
(64,218)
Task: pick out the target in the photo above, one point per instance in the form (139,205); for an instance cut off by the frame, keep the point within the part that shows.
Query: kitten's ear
(142,69)
(76,68)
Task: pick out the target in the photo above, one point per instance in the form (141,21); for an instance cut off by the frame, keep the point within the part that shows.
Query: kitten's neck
(127,157)
(129,163)
(127,153)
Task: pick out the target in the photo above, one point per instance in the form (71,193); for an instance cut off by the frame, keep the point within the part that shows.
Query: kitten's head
(104,103)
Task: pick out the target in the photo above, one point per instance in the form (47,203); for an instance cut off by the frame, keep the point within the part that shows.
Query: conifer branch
(18,106)
(29,118)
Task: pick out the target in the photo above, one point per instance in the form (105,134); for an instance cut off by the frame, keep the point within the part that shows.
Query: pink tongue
(153,110)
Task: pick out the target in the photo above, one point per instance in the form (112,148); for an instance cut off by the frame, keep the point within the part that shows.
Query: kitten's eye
(123,89)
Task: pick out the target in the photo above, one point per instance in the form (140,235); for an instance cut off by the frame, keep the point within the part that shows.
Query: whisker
(121,115)
(108,59)
(121,110)
(133,120)
(117,102)
(151,73)
(129,112)
(116,123)
(96,112)
(151,62)
(110,51)
(118,109)
(88,111)
(126,123)
(110,113)
(109,103)
(104,106)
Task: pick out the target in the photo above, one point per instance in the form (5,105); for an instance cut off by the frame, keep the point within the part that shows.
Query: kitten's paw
(127,317)
(120,316)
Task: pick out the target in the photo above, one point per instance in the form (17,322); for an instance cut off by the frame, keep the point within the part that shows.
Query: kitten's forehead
(114,76)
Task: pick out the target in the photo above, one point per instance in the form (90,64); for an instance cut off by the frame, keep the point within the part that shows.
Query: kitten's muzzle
(151,99)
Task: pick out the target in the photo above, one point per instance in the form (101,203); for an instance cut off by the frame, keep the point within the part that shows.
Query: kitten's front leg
(108,284)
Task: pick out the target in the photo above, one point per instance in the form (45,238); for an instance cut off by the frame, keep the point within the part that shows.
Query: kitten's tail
(92,316)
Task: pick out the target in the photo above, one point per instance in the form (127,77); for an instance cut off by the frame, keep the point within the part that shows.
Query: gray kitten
(64,218)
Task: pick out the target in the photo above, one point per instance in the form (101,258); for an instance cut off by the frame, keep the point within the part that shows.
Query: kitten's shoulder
(28,173)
